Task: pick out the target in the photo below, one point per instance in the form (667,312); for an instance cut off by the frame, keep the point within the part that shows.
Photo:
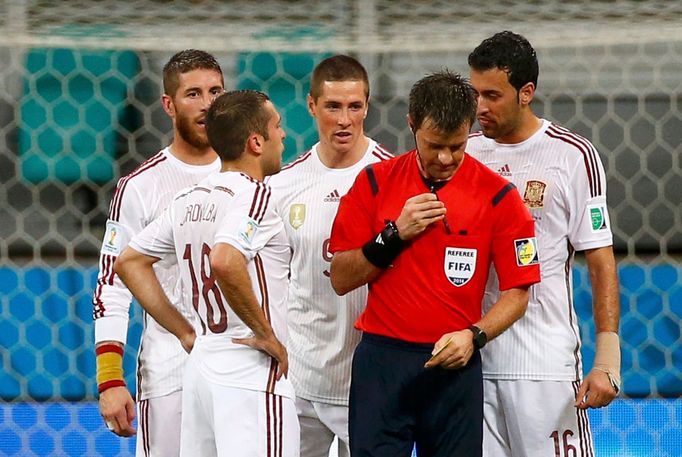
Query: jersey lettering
(196,212)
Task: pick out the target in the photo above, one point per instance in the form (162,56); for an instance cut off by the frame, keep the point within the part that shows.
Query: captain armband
(607,357)
(109,366)
(383,249)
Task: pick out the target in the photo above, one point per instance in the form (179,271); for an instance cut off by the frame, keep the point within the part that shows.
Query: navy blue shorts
(396,403)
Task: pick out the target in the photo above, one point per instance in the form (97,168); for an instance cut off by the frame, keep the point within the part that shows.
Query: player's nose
(344,118)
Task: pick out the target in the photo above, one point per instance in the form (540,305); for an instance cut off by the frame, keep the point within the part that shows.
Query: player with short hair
(234,264)
(321,334)
(192,79)
(535,398)
(423,230)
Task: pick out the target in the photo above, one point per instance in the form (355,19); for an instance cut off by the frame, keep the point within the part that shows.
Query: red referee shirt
(436,284)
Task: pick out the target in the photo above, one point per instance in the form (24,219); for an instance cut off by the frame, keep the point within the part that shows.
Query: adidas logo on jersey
(333,196)
(504,170)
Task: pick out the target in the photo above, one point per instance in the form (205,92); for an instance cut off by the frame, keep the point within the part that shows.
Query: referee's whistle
(445,220)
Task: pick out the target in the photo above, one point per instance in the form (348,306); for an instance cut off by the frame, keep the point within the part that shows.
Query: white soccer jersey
(231,208)
(138,199)
(561,179)
(321,334)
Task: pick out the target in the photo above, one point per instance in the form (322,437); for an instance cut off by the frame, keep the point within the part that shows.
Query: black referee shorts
(396,403)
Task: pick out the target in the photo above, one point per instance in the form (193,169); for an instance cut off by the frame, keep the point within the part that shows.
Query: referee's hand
(418,213)
(452,351)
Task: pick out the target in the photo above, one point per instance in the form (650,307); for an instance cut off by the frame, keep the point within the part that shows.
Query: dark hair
(232,118)
(446,99)
(337,68)
(510,52)
(186,61)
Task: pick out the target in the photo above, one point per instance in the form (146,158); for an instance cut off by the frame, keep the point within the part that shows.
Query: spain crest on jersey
(459,265)
(534,195)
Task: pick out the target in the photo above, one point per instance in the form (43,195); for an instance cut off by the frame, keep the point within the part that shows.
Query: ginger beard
(191,131)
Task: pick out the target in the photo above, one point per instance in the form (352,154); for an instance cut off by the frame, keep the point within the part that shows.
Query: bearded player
(535,394)
(234,264)
(192,79)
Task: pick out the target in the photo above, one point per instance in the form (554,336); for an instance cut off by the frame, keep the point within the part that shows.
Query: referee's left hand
(452,351)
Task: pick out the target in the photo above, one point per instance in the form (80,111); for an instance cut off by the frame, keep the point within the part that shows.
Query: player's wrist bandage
(607,357)
(109,366)
(383,249)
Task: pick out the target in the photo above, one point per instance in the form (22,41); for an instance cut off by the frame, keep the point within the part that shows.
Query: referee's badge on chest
(297,215)
(459,265)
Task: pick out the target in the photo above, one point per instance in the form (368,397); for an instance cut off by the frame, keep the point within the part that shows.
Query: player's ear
(311,105)
(366,106)
(526,93)
(410,124)
(255,143)
(168,105)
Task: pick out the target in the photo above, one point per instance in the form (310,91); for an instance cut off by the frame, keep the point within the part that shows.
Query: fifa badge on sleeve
(526,251)
(248,230)
(114,239)
(598,217)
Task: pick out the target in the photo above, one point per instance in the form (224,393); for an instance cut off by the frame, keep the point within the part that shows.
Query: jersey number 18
(209,291)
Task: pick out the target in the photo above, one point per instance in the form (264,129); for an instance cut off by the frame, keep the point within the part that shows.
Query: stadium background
(79,107)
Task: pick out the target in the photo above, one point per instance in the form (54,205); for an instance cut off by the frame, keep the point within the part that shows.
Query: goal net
(79,107)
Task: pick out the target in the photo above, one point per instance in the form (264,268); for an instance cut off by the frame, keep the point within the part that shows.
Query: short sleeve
(353,223)
(156,239)
(250,221)
(589,225)
(514,246)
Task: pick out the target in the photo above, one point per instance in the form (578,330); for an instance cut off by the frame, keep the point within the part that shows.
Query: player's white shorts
(158,426)
(221,421)
(523,418)
(320,422)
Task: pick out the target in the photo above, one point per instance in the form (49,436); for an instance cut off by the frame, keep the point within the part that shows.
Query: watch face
(480,338)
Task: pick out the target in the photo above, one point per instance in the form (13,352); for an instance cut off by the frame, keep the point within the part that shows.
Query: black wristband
(382,249)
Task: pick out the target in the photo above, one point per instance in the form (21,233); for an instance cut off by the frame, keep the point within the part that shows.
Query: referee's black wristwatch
(480,337)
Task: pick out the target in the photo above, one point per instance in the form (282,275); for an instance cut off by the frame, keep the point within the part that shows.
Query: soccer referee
(422,230)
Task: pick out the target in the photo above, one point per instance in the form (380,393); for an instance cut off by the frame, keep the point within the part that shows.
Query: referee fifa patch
(526,252)
(459,265)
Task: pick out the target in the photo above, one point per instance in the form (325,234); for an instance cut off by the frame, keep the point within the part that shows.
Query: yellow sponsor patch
(526,251)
